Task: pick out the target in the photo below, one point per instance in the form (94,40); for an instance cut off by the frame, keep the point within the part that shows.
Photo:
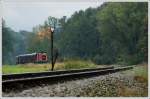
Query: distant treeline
(114,33)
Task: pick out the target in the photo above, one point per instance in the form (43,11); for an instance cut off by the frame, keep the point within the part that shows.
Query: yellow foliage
(44,32)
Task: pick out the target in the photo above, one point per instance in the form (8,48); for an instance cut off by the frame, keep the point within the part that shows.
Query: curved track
(8,77)
(21,81)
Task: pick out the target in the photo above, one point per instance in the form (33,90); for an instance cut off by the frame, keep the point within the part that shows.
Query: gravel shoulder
(112,85)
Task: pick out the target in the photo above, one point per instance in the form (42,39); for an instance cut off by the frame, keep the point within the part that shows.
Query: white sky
(26,15)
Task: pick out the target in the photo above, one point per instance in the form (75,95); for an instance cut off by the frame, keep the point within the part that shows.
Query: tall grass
(78,64)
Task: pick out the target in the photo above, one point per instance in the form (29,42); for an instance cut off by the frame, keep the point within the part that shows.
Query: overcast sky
(26,15)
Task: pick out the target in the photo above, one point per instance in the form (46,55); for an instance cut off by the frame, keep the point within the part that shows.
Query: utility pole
(52,62)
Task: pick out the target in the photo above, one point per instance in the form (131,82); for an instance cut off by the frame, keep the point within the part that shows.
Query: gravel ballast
(116,84)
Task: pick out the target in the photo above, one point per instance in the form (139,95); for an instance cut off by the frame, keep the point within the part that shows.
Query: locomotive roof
(27,54)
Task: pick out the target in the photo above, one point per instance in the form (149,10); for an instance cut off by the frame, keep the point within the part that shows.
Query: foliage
(79,37)
(102,59)
(122,26)
(115,32)
(40,39)
(7,43)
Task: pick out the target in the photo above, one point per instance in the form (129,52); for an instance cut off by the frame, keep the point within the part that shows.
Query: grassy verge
(66,65)
(8,69)
(139,71)
(140,75)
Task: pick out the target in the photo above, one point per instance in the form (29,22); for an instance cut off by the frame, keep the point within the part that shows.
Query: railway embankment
(123,83)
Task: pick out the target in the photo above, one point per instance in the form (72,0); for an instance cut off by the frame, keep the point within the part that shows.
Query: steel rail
(47,73)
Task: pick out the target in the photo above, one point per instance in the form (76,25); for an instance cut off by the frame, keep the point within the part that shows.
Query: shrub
(104,59)
(97,59)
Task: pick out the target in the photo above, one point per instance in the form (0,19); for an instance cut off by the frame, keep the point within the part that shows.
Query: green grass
(141,71)
(8,69)
(66,65)
(140,75)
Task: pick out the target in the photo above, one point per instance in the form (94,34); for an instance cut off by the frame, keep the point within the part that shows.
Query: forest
(113,33)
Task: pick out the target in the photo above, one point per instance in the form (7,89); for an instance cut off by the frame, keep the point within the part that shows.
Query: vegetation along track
(27,80)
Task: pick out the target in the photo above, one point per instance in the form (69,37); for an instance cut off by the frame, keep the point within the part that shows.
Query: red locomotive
(31,58)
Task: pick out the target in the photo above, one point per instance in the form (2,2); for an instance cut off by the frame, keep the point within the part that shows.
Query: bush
(104,59)
(129,59)
(97,59)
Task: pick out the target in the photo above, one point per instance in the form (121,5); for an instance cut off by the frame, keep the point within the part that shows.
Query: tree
(7,43)
(121,24)
(79,37)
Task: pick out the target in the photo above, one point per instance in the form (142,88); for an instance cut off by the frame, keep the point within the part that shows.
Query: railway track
(27,80)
